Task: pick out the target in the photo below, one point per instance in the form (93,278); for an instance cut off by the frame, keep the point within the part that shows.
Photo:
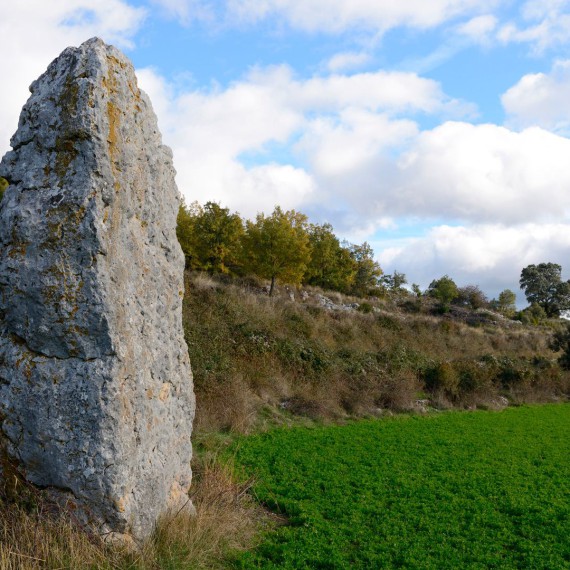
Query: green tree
(472,296)
(505,304)
(185,231)
(532,315)
(542,284)
(444,290)
(368,271)
(277,247)
(217,238)
(395,281)
(331,265)
(210,236)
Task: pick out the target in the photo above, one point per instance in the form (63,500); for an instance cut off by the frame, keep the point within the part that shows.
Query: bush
(442,377)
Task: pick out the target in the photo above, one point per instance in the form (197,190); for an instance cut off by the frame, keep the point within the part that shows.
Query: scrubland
(261,360)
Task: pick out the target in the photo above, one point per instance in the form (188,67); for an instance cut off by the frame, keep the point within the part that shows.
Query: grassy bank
(259,360)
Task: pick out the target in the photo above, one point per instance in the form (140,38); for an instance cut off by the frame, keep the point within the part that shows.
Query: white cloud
(339,15)
(541,99)
(35,31)
(478,29)
(340,123)
(545,24)
(348,142)
(489,255)
(457,171)
(484,173)
(347,61)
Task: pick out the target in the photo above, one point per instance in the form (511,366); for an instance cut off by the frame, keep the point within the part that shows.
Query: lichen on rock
(96,398)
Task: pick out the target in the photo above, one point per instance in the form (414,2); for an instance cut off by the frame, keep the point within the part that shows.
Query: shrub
(442,377)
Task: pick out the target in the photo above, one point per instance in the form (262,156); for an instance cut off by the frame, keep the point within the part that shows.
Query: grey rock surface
(96,397)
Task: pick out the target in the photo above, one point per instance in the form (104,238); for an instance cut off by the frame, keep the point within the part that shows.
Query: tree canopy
(278,246)
(210,236)
(542,284)
(368,271)
(444,290)
(331,265)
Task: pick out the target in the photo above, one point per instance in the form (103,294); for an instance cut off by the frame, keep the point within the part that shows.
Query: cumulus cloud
(325,125)
(488,254)
(541,99)
(339,15)
(34,32)
(456,171)
(483,173)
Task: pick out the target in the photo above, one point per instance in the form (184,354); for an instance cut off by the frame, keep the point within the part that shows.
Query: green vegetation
(258,360)
(362,346)
(277,247)
(543,285)
(282,247)
(445,291)
(480,490)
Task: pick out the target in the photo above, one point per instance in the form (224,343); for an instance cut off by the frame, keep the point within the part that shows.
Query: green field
(456,490)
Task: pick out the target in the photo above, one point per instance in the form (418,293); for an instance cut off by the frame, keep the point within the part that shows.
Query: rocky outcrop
(96,395)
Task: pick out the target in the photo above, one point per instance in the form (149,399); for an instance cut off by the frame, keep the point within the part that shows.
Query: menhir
(96,399)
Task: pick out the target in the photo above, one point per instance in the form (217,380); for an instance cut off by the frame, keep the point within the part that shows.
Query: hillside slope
(311,354)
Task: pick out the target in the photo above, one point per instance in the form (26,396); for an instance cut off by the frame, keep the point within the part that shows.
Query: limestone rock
(96,395)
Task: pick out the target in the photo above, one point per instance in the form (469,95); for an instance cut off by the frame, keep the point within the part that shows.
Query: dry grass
(36,535)
(255,357)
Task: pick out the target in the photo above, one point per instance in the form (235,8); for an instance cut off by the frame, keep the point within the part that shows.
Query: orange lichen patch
(177,495)
(164,392)
(150,393)
(114,116)
(18,249)
(135,91)
(120,505)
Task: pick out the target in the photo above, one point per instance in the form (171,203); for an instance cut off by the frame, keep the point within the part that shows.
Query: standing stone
(96,399)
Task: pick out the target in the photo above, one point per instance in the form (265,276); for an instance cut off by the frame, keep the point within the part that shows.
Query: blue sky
(437,131)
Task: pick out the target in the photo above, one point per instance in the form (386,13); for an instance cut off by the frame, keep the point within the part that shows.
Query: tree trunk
(272,286)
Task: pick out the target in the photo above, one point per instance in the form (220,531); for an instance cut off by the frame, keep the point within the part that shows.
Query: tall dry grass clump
(36,534)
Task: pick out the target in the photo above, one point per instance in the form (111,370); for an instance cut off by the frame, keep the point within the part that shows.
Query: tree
(532,315)
(542,284)
(472,296)
(368,271)
(444,290)
(395,281)
(331,265)
(185,232)
(210,236)
(505,304)
(277,246)
(217,238)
